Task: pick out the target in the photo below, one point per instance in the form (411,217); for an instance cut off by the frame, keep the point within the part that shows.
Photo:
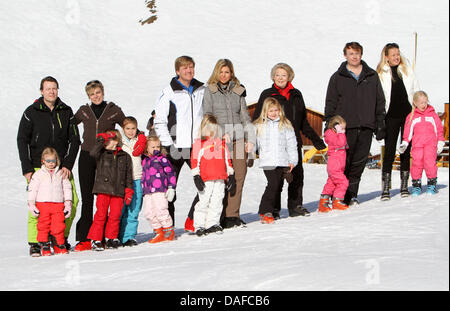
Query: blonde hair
(268,103)
(284,66)
(53,152)
(337,119)
(183,61)
(154,138)
(215,76)
(384,60)
(416,97)
(91,85)
(129,119)
(209,127)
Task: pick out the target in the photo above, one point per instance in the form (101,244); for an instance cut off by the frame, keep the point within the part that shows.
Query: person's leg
(68,221)
(43,221)
(239,162)
(201,209)
(359,147)
(417,162)
(274,179)
(86,174)
(295,188)
(115,210)
(161,211)
(57,225)
(390,143)
(98,225)
(215,204)
(429,161)
(130,214)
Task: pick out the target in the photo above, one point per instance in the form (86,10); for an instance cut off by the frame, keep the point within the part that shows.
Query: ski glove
(33,209)
(170,194)
(231,184)
(104,137)
(380,132)
(128,195)
(402,147)
(67,208)
(139,147)
(440,146)
(199,183)
(288,175)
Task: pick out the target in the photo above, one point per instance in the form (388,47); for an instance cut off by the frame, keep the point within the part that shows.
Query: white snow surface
(401,244)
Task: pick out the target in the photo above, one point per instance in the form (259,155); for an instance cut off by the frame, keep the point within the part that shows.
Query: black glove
(250,162)
(380,132)
(319,145)
(231,184)
(199,183)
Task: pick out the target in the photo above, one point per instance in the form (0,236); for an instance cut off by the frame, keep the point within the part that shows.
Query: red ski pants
(51,220)
(105,203)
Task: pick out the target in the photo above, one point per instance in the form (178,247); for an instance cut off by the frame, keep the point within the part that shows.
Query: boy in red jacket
(211,168)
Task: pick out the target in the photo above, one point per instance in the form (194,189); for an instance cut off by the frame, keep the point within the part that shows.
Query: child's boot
(339,204)
(417,187)
(83,246)
(189,225)
(45,249)
(324,204)
(35,250)
(60,249)
(159,236)
(169,233)
(431,186)
(267,218)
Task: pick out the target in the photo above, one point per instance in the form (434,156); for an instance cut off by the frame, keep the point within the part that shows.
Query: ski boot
(35,250)
(60,249)
(45,249)
(266,218)
(130,242)
(201,231)
(189,225)
(324,204)
(431,186)
(417,187)
(83,246)
(113,243)
(215,229)
(159,236)
(97,246)
(339,204)
(169,233)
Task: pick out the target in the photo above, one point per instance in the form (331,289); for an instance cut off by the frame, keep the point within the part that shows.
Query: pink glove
(67,208)
(33,209)
(339,129)
(139,147)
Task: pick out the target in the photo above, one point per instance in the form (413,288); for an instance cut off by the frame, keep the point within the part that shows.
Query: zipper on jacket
(192,119)
(96,120)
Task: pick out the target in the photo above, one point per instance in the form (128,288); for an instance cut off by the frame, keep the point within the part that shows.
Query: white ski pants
(209,207)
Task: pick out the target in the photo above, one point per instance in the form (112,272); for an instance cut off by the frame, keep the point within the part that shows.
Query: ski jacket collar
(40,105)
(178,86)
(365,72)
(238,89)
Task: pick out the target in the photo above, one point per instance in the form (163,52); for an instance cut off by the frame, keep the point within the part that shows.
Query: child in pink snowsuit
(158,185)
(424,130)
(337,183)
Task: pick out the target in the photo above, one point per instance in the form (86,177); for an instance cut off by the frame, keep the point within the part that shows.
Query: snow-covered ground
(397,245)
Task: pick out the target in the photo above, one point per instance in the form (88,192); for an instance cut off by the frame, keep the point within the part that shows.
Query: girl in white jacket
(50,199)
(278,155)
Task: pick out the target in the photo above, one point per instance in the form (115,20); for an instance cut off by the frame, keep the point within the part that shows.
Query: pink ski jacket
(337,145)
(46,187)
(424,128)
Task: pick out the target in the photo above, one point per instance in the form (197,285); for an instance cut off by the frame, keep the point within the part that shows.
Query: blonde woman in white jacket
(399,84)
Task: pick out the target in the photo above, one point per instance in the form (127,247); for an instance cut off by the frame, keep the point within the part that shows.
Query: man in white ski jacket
(179,114)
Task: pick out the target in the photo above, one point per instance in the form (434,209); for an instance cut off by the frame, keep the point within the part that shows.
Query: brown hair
(51,151)
(93,84)
(129,119)
(353,45)
(337,119)
(48,79)
(183,61)
(117,138)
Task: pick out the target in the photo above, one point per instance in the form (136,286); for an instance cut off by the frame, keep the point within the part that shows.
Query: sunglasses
(50,161)
(93,81)
(392,45)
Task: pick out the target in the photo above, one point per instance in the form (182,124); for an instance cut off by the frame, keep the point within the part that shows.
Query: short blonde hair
(183,61)
(91,85)
(284,66)
(215,76)
(53,152)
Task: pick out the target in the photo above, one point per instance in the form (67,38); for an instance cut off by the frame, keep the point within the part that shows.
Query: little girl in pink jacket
(424,130)
(337,182)
(50,199)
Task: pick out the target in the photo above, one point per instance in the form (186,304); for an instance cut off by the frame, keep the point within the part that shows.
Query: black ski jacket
(361,103)
(40,128)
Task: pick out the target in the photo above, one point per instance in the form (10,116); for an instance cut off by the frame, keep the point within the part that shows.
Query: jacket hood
(239,89)
(175,85)
(428,110)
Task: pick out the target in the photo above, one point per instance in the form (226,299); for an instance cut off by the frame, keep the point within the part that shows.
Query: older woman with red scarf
(291,100)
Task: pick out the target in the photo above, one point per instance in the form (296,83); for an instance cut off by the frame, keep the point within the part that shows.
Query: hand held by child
(440,146)
(199,183)
(139,147)
(33,209)
(402,147)
(170,194)
(128,195)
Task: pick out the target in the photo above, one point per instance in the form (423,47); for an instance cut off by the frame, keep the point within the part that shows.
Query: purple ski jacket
(157,173)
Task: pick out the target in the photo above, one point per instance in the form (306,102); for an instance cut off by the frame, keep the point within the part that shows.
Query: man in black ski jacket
(355,93)
(48,122)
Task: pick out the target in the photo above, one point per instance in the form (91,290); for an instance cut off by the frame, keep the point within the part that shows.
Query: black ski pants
(394,127)
(359,141)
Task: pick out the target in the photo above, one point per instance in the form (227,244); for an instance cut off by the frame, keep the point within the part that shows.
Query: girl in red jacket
(50,199)
(337,183)
(424,130)
(211,168)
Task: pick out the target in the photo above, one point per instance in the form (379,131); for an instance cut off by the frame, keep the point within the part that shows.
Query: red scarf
(286,91)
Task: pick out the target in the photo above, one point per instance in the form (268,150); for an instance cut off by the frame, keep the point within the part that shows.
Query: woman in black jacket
(291,100)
